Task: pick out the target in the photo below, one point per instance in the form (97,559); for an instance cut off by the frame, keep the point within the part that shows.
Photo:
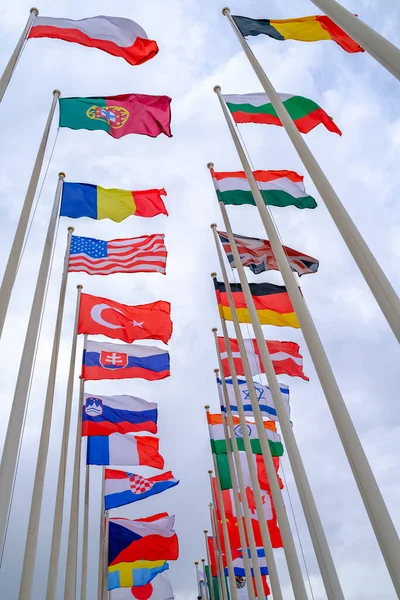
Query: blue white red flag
(124,450)
(102,415)
(123,488)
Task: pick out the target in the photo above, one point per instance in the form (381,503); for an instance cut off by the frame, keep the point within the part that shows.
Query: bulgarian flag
(217,436)
(278,188)
(257,108)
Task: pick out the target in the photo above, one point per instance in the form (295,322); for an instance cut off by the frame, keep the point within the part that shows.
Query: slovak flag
(102,360)
(123,488)
(158,589)
(102,415)
(124,450)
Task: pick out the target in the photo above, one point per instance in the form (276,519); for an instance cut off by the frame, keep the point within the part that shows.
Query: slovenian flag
(102,360)
(102,415)
(124,450)
(123,488)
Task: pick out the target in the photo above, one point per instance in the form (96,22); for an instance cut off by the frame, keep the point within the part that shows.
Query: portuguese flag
(272,304)
(257,108)
(118,115)
(278,188)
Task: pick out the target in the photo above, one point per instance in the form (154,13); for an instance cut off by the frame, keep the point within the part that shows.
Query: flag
(271,301)
(123,488)
(146,254)
(95,202)
(124,450)
(124,322)
(303,29)
(229,504)
(118,115)
(225,477)
(136,574)
(259,257)
(102,360)
(257,108)
(238,563)
(158,588)
(152,539)
(102,415)
(285,357)
(115,35)
(264,397)
(278,188)
(217,436)
(213,581)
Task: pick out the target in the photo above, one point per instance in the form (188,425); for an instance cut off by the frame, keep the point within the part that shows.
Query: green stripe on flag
(73,113)
(271,197)
(297,107)
(214,582)
(219,446)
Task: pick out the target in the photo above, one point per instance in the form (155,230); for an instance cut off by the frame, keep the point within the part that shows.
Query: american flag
(258,255)
(146,254)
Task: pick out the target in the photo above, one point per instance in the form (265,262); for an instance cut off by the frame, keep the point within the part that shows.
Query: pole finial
(34,10)
(206,531)
(214,329)
(207,407)
(226,11)
(57,93)
(203,560)
(216,370)
(210,505)
(71,229)
(210,472)
(79,286)
(217,88)
(213,275)
(196,562)
(62,175)
(213,226)
(210,165)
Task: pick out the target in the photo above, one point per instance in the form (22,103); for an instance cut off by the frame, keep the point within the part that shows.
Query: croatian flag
(123,488)
(124,450)
(102,360)
(102,415)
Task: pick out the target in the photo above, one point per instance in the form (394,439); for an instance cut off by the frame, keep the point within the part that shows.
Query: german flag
(272,303)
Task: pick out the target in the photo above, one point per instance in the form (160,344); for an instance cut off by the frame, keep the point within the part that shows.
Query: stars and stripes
(145,254)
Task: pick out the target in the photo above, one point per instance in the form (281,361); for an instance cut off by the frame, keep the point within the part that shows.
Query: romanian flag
(92,201)
(272,304)
(304,29)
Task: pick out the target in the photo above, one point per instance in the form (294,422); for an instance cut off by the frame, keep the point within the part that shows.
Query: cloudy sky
(197,51)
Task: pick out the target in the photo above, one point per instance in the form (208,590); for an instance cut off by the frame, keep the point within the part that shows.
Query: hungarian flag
(257,108)
(271,301)
(114,35)
(118,115)
(123,322)
(217,435)
(259,257)
(284,355)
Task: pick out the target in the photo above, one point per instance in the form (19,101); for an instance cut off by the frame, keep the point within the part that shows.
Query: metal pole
(9,461)
(14,258)
(219,563)
(203,560)
(59,508)
(85,536)
(196,566)
(72,552)
(378,513)
(210,576)
(377,281)
(12,63)
(386,53)
(292,559)
(101,541)
(105,567)
(28,568)
(317,533)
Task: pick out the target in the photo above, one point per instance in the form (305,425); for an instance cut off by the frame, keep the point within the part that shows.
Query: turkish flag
(122,322)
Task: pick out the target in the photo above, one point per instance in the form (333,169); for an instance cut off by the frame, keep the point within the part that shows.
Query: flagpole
(28,568)
(9,461)
(315,527)
(377,281)
(105,566)
(228,551)
(242,535)
(292,559)
(85,536)
(15,56)
(210,577)
(196,566)
(59,508)
(378,513)
(386,53)
(203,560)
(101,541)
(72,552)
(273,572)
(222,591)
(14,258)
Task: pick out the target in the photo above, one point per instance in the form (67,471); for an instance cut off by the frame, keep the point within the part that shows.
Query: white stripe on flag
(259,99)
(295,189)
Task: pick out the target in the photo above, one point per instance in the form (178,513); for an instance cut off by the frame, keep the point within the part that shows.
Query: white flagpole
(72,552)
(59,508)
(228,551)
(196,566)
(101,541)
(105,566)
(377,281)
(210,577)
(222,589)
(242,534)
(203,560)
(386,53)
(292,559)
(9,461)
(378,513)
(317,533)
(12,63)
(85,535)
(14,258)
(28,568)
(273,571)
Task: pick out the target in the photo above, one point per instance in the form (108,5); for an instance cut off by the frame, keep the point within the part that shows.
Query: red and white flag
(284,355)
(114,35)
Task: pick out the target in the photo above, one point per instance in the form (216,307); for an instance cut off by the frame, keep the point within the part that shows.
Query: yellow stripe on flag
(266,317)
(126,570)
(303,29)
(114,204)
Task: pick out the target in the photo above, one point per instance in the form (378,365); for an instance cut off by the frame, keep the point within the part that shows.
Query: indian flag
(217,435)
(278,188)
(257,108)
